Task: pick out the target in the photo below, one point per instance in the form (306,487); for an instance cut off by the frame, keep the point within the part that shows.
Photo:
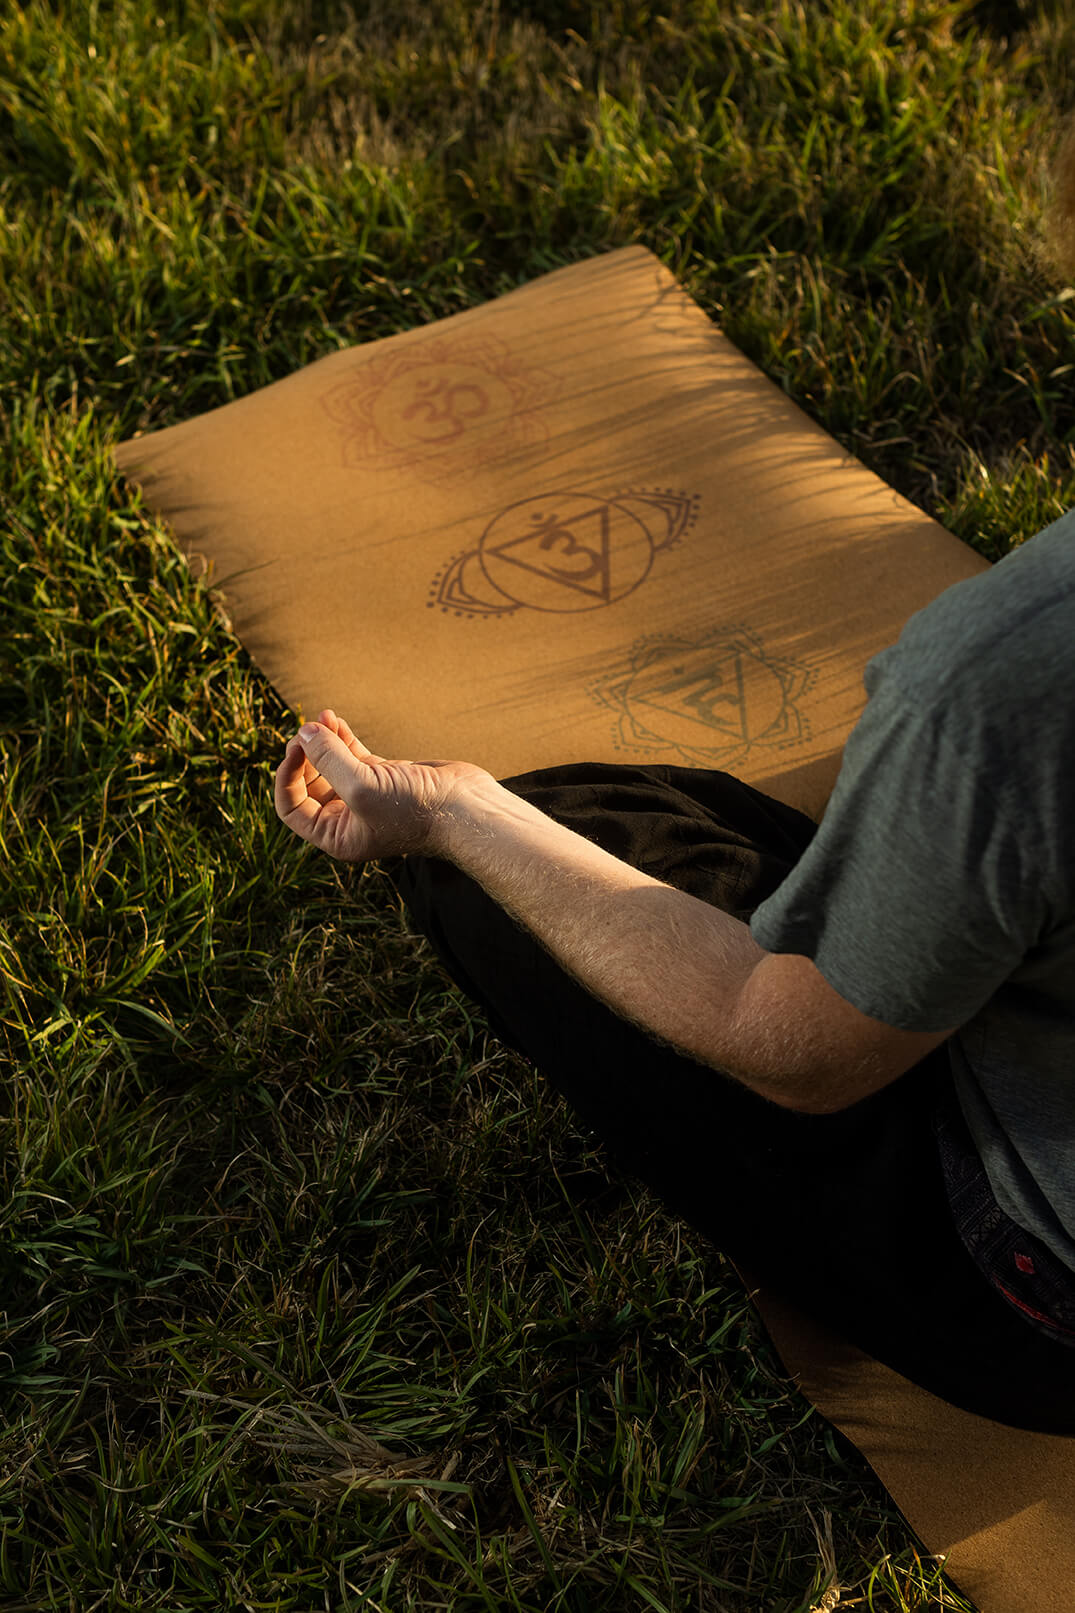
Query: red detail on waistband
(1025,1263)
(1038,1316)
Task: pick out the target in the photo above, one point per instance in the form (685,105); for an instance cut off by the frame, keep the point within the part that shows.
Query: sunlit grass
(314,1297)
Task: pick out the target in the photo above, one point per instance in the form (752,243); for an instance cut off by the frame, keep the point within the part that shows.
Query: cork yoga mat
(996,1505)
(572,523)
(577,523)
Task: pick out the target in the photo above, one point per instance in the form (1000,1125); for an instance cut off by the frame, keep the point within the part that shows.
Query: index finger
(289,788)
(349,737)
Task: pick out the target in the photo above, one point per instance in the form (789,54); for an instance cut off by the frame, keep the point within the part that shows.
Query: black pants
(847,1214)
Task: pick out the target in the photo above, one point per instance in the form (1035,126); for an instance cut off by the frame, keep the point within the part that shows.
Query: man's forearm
(657,956)
(687,972)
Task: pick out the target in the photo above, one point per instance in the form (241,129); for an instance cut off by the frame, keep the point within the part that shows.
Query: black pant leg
(845,1214)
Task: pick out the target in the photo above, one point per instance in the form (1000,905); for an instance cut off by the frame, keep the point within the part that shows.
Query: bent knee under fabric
(845,1214)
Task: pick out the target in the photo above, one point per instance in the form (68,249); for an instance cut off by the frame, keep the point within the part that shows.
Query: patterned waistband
(1019,1266)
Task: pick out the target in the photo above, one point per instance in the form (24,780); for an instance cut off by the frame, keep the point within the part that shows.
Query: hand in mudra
(357,806)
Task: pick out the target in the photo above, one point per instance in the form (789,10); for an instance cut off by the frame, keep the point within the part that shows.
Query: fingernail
(308,730)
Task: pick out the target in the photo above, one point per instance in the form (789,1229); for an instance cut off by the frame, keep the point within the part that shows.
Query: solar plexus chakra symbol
(711,700)
(563,551)
(440,408)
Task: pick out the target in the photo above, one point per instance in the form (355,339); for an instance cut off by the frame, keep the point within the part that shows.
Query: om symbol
(569,545)
(443,407)
(568,551)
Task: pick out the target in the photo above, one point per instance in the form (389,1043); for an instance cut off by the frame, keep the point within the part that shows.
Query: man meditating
(846,1052)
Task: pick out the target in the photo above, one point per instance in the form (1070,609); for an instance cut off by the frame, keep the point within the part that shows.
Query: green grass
(274,1202)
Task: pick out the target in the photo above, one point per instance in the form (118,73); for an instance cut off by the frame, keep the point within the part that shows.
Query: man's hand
(685,971)
(342,798)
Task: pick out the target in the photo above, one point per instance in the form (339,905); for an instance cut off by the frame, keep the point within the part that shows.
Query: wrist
(470,816)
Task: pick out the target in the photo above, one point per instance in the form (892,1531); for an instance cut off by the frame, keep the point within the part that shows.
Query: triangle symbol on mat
(575,552)
(706,690)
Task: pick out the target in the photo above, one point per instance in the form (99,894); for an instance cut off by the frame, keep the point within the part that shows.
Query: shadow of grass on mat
(313,1296)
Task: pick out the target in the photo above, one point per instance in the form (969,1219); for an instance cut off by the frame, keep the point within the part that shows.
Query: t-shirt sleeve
(918,895)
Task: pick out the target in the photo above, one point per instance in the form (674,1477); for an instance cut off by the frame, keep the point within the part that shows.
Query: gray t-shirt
(939,889)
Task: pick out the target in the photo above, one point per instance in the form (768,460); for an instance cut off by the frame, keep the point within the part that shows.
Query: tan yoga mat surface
(576,523)
(997,1504)
(573,523)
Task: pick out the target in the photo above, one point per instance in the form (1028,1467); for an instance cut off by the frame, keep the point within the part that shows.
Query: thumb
(333,759)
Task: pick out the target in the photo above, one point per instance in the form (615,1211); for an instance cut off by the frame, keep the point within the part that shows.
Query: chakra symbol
(710,700)
(436,404)
(417,407)
(564,551)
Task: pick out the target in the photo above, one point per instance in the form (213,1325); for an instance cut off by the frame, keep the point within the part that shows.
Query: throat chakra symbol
(564,551)
(709,700)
